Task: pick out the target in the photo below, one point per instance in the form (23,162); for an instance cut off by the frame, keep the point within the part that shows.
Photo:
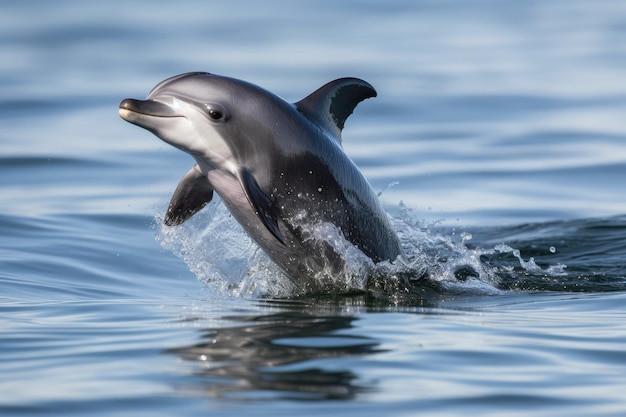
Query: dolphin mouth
(146,107)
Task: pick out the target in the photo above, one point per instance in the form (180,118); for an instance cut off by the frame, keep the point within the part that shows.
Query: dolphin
(279,167)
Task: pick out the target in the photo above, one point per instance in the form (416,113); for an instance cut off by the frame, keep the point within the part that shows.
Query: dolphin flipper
(260,202)
(193,193)
(331,104)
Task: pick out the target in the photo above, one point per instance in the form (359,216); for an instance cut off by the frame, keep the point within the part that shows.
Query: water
(497,140)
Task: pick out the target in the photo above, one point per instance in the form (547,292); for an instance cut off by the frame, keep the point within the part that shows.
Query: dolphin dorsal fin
(330,105)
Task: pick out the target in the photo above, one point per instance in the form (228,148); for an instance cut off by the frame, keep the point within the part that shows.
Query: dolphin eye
(216,112)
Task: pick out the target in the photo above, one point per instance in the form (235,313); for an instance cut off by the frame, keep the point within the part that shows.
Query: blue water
(498,140)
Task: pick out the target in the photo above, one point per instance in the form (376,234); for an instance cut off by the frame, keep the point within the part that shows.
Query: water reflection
(277,356)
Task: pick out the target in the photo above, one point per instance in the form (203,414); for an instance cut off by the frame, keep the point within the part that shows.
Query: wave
(219,252)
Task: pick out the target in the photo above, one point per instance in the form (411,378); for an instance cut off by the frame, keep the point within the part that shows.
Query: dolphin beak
(145,107)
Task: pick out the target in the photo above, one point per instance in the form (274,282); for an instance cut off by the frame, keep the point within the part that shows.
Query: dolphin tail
(191,195)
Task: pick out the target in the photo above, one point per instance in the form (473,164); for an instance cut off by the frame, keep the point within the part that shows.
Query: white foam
(219,252)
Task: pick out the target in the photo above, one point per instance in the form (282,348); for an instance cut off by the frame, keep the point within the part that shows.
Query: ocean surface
(497,141)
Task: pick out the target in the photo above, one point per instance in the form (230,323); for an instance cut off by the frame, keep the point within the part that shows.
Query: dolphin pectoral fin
(193,193)
(333,103)
(260,202)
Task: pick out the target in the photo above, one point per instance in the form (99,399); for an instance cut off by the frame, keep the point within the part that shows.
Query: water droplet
(552,249)
(319,189)
(465,236)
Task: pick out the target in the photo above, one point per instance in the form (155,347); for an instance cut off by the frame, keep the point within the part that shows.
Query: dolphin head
(192,112)
(228,126)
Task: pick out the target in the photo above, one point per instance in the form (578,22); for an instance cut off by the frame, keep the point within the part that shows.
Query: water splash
(391,184)
(448,263)
(531,266)
(219,252)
